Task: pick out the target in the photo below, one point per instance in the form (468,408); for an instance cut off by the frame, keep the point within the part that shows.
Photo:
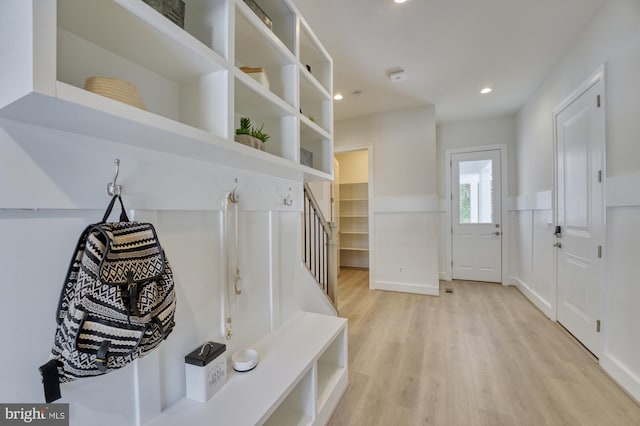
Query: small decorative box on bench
(206,371)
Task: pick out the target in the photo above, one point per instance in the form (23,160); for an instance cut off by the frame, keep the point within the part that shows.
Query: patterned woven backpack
(117,304)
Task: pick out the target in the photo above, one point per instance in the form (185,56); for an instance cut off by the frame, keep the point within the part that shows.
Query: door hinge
(451,196)
(452,230)
(598,326)
(599,251)
(600,176)
(598,101)
(452,263)
(450,163)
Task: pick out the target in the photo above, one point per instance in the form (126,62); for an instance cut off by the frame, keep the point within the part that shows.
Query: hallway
(481,355)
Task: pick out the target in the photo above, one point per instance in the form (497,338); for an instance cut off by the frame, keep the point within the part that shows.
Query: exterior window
(476,191)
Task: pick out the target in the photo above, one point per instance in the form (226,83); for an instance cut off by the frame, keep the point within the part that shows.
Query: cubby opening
(173,83)
(315,102)
(298,407)
(331,367)
(207,21)
(275,120)
(257,47)
(318,144)
(314,59)
(283,21)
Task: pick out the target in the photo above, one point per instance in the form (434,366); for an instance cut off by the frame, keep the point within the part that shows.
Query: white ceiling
(450,50)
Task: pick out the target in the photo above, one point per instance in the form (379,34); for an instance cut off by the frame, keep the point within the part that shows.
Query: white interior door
(476,216)
(580,215)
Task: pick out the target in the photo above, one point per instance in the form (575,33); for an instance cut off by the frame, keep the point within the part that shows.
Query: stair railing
(320,247)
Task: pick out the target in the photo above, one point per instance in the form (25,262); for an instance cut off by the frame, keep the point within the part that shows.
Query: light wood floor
(482,355)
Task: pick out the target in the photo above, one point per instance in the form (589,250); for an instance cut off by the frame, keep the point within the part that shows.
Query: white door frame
(597,76)
(369,148)
(506,229)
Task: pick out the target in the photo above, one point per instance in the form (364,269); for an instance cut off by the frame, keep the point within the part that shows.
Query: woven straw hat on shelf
(115,88)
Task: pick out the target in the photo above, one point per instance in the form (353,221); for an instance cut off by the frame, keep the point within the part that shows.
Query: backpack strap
(101,355)
(123,212)
(51,381)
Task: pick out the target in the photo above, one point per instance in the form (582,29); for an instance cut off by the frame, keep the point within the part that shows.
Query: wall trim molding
(622,190)
(619,373)
(419,204)
(534,298)
(427,289)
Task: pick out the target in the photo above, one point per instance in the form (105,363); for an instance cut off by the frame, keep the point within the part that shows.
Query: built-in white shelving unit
(354,224)
(189,79)
(299,380)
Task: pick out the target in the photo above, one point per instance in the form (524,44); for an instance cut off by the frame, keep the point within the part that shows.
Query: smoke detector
(398,75)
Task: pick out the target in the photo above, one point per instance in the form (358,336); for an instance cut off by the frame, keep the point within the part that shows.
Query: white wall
(354,166)
(613,39)
(468,134)
(404,203)
(64,176)
(471,133)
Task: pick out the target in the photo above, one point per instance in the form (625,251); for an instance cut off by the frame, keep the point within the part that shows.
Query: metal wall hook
(234,197)
(288,200)
(113,188)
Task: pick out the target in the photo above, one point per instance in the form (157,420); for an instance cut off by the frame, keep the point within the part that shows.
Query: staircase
(320,246)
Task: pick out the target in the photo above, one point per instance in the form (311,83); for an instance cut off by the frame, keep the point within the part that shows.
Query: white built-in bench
(299,380)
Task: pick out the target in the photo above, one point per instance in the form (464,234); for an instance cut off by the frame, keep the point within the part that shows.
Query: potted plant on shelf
(246,134)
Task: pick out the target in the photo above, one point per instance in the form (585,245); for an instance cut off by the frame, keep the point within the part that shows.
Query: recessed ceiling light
(400,1)
(338,97)
(486,90)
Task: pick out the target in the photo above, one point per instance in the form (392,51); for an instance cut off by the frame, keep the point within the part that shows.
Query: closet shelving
(354,224)
(189,79)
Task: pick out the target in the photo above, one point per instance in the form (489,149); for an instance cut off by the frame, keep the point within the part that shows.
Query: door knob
(558,244)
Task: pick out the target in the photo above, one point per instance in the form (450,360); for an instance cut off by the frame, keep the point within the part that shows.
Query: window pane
(476,191)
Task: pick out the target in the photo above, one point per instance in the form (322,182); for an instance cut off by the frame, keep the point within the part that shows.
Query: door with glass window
(476,216)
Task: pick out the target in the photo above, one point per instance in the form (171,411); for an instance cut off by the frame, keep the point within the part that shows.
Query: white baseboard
(428,289)
(511,281)
(444,276)
(538,301)
(621,375)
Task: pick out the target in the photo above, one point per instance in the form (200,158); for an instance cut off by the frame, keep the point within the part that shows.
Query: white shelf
(283,378)
(312,53)
(175,53)
(257,47)
(315,101)
(188,79)
(354,224)
(282,16)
